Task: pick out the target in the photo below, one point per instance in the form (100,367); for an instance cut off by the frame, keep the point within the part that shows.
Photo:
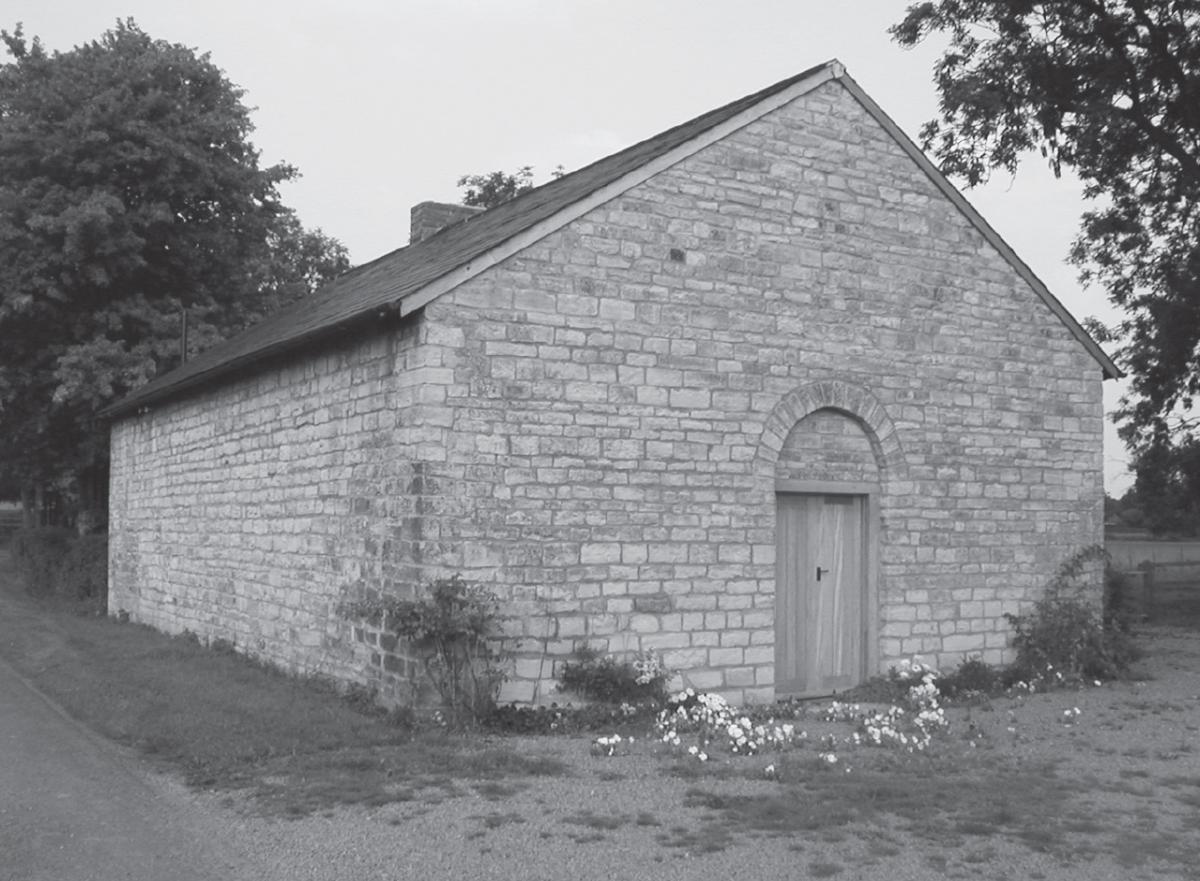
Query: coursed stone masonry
(595,426)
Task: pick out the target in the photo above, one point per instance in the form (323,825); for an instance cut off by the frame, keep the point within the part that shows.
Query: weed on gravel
(935,799)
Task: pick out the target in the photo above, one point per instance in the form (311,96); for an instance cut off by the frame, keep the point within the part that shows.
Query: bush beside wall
(53,561)
(84,571)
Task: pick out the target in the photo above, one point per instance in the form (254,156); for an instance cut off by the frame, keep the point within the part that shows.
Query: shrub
(38,554)
(972,677)
(84,571)
(1067,635)
(876,690)
(53,561)
(615,681)
(452,626)
(571,719)
(222,646)
(1120,607)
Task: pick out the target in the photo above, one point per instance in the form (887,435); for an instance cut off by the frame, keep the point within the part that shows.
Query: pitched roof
(406,279)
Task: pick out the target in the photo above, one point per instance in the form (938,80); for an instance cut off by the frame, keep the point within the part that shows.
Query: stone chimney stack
(427,218)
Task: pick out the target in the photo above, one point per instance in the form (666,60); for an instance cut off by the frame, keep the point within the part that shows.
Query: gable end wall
(617,381)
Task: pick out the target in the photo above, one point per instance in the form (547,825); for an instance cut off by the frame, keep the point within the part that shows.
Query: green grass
(496,819)
(825,870)
(592,820)
(705,837)
(228,723)
(590,827)
(1179,609)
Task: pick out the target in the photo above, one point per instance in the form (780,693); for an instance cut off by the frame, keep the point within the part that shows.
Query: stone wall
(828,445)
(249,512)
(616,384)
(594,429)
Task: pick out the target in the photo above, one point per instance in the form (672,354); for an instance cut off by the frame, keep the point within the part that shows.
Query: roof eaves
(417,278)
(154,393)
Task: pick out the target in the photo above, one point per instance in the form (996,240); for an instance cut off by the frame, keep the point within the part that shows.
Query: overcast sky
(385,103)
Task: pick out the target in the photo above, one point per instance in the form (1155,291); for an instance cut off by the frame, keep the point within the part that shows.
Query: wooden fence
(1159,590)
(1130,554)
(10,522)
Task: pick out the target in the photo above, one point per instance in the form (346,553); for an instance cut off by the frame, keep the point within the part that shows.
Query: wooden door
(820,620)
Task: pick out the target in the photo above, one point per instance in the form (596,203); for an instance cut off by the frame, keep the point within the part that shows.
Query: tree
(1110,89)
(491,189)
(495,187)
(1167,487)
(129,193)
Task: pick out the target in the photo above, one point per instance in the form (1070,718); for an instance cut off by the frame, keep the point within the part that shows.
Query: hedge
(53,561)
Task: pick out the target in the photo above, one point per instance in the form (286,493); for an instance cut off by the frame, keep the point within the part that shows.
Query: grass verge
(228,723)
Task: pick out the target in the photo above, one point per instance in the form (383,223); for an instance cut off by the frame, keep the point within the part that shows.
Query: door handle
(819,571)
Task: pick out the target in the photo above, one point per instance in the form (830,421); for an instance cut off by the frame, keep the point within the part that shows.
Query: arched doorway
(827,484)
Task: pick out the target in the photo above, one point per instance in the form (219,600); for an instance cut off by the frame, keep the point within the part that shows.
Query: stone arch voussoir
(831,394)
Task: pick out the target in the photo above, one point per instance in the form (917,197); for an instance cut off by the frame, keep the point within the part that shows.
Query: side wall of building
(248,513)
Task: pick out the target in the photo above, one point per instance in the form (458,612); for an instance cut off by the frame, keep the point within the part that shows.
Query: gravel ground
(1132,755)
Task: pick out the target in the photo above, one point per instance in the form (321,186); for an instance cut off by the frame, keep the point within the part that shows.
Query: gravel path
(1133,751)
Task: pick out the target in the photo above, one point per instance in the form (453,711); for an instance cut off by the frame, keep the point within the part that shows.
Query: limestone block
(702,680)
(726,657)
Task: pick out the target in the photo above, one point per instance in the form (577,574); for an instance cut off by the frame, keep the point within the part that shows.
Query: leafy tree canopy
(1110,89)
(1166,492)
(491,189)
(129,191)
(495,187)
